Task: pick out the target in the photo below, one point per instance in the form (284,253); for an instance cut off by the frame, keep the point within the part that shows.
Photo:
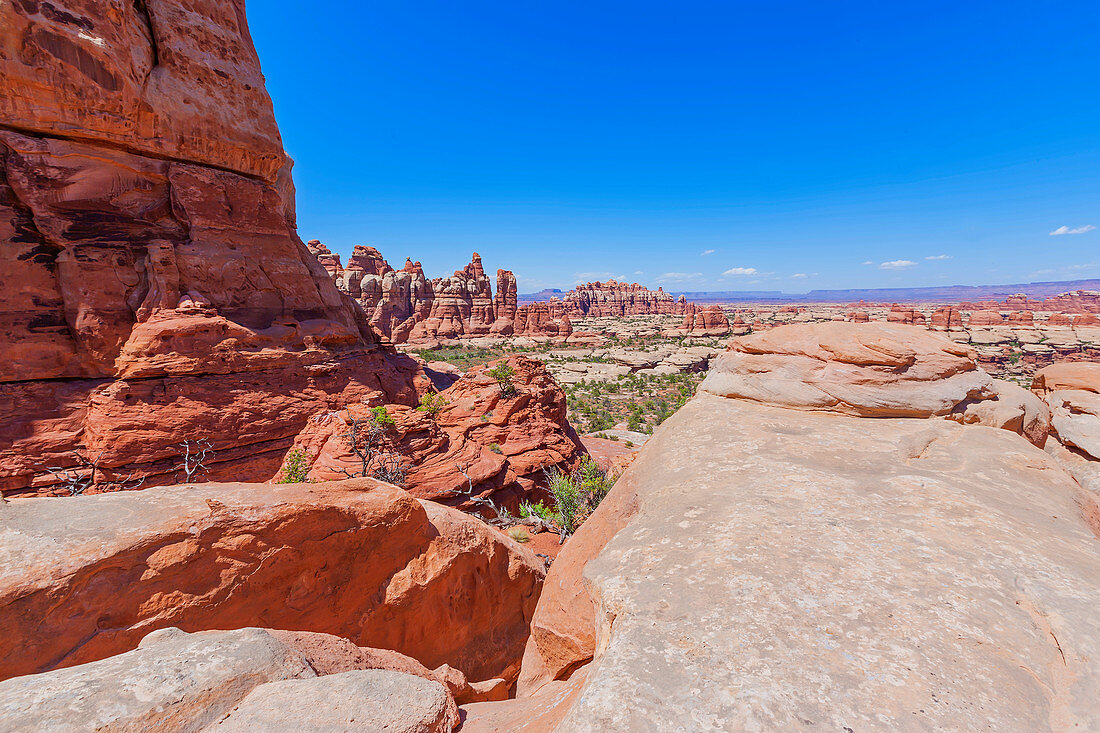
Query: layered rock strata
(403,306)
(153,289)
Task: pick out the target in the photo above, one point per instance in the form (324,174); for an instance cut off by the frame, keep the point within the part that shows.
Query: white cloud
(638,272)
(580,278)
(1076,230)
(799,276)
(938,257)
(869,262)
(740,271)
(678,276)
(707,252)
(896,265)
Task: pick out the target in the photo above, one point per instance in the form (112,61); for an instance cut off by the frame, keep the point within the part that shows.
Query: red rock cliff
(153,287)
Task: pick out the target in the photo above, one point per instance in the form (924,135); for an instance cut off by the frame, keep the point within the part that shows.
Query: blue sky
(700,146)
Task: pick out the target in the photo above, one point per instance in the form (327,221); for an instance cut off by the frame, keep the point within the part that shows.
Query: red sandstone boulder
(499,443)
(873,369)
(88,577)
(985,318)
(946,318)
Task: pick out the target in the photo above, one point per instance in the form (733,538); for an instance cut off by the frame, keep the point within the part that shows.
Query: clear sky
(699,146)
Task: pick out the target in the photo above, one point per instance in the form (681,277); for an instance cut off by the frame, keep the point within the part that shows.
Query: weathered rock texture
(87,577)
(153,288)
(500,443)
(366,700)
(778,564)
(1072,392)
(190,682)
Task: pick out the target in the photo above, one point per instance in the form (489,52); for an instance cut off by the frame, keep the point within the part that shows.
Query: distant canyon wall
(404,306)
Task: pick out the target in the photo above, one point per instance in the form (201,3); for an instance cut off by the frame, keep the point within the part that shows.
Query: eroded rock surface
(499,443)
(226,680)
(776,565)
(153,289)
(87,577)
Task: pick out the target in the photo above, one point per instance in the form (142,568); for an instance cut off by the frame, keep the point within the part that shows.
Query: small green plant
(615,438)
(432,403)
(577,494)
(503,374)
(495,448)
(540,510)
(519,534)
(629,444)
(295,467)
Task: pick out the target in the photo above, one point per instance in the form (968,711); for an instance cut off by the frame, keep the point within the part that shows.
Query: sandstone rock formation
(403,306)
(782,563)
(874,370)
(702,321)
(612,298)
(1072,392)
(367,700)
(153,289)
(215,680)
(87,577)
(498,443)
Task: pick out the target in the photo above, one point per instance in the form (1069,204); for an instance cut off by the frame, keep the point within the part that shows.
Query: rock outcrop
(153,288)
(87,577)
(1072,392)
(231,680)
(703,321)
(403,306)
(773,560)
(613,298)
(481,438)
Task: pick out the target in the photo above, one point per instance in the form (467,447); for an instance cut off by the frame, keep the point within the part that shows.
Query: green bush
(527,509)
(503,373)
(295,467)
(577,494)
(432,403)
(495,448)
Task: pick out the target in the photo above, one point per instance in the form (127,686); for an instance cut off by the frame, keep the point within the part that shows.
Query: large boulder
(1072,392)
(367,700)
(190,682)
(87,577)
(769,566)
(871,369)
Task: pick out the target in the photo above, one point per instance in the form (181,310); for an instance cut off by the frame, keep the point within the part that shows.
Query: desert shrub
(519,534)
(503,374)
(539,510)
(367,438)
(295,467)
(577,494)
(432,403)
(495,448)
